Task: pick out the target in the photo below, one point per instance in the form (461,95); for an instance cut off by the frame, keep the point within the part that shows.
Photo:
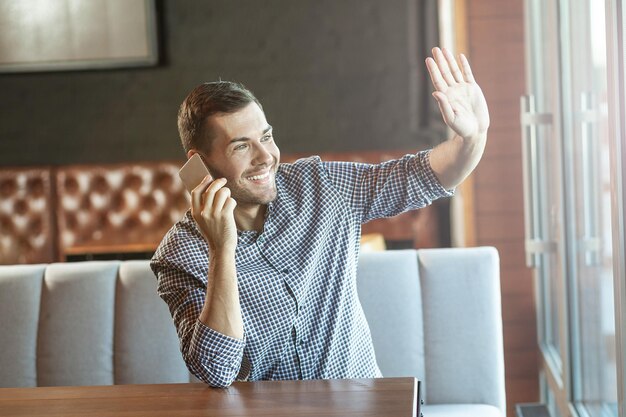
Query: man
(260,275)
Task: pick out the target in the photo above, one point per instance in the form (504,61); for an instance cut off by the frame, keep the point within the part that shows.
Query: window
(572,215)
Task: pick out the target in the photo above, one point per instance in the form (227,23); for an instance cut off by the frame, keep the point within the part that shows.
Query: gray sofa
(434,314)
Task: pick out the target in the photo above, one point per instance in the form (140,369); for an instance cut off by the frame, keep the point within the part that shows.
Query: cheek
(220,172)
(215,171)
(228,169)
(276,152)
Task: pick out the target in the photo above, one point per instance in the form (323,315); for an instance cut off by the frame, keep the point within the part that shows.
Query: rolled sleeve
(214,357)
(389,188)
(431,185)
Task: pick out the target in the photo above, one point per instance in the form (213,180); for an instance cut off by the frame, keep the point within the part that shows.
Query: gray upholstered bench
(434,314)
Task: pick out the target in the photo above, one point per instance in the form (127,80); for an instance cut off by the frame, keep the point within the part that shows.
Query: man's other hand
(461,101)
(212,208)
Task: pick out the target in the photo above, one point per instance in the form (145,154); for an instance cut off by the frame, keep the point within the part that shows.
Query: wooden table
(388,397)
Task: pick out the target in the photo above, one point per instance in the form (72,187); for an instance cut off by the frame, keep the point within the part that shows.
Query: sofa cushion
(462,326)
(75,341)
(146,344)
(19,316)
(396,326)
(461,410)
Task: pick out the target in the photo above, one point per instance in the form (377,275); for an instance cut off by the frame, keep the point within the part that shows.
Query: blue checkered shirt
(297,279)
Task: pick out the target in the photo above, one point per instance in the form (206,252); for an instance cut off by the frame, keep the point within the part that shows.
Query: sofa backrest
(390,293)
(433,313)
(85,323)
(463,342)
(436,314)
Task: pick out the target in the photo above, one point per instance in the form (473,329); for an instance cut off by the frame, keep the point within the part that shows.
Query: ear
(191,152)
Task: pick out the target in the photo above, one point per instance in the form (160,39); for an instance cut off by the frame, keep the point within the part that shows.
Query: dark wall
(332,76)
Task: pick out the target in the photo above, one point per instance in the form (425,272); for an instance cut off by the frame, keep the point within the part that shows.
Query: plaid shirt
(297,279)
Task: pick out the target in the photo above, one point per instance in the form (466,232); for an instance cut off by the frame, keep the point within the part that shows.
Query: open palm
(461,101)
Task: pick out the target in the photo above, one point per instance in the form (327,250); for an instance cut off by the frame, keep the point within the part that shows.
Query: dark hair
(206,100)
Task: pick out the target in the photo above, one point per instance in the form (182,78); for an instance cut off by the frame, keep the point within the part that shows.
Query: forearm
(221,311)
(453,160)
(211,356)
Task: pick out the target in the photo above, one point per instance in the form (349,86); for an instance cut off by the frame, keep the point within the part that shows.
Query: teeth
(258,177)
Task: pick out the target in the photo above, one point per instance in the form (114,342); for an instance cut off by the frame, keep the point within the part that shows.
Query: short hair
(204,101)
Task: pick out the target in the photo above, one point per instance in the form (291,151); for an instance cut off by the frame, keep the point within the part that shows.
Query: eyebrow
(244,138)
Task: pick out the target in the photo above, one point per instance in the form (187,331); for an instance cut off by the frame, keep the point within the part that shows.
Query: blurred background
(332,76)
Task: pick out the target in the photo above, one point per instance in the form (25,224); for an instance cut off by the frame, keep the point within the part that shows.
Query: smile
(259,177)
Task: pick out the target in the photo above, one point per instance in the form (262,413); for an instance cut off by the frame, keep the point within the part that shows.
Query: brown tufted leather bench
(117,208)
(125,209)
(26,222)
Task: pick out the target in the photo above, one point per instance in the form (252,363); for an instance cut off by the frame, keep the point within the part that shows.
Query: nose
(262,155)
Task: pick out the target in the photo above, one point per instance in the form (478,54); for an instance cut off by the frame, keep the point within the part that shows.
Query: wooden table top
(388,397)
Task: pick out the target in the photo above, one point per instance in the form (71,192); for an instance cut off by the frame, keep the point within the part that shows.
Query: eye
(241,147)
(266,138)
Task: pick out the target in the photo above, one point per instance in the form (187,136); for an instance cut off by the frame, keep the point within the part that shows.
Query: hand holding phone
(193,172)
(217,224)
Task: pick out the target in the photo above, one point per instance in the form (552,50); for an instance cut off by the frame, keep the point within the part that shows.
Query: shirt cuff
(435,189)
(216,347)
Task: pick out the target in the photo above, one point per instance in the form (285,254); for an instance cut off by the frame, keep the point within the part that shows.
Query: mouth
(259,177)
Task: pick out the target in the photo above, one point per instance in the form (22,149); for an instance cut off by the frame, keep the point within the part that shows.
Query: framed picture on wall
(58,35)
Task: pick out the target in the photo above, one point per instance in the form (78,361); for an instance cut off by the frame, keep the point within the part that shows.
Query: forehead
(249,122)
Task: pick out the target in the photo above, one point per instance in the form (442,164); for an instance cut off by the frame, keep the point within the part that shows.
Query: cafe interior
(507,299)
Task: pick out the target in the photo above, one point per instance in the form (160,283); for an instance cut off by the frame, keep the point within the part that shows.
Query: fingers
(435,75)
(230,204)
(202,196)
(197,194)
(445,71)
(467,71)
(455,71)
(219,200)
(444,67)
(216,193)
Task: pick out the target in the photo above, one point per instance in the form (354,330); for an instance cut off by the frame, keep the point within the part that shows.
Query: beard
(245,195)
(244,191)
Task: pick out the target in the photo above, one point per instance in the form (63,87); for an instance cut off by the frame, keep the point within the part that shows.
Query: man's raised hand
(461,101)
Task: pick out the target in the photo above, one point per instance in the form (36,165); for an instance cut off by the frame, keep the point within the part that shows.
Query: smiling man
(260,275)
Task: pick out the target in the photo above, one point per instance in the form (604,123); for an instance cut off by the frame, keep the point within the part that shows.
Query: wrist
(471,145)
(222,253)
(477,138)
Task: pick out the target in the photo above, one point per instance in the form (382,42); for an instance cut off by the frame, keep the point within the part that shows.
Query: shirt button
(286,271)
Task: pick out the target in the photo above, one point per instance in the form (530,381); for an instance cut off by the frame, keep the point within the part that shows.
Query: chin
(268,199)
(249,198)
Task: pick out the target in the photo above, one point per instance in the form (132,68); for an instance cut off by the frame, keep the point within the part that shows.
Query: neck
(250,217)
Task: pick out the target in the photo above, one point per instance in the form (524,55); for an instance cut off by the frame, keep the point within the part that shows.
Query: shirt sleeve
(211,356)
(387,189)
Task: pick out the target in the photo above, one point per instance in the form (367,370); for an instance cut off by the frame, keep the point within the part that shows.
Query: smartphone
(193,172)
